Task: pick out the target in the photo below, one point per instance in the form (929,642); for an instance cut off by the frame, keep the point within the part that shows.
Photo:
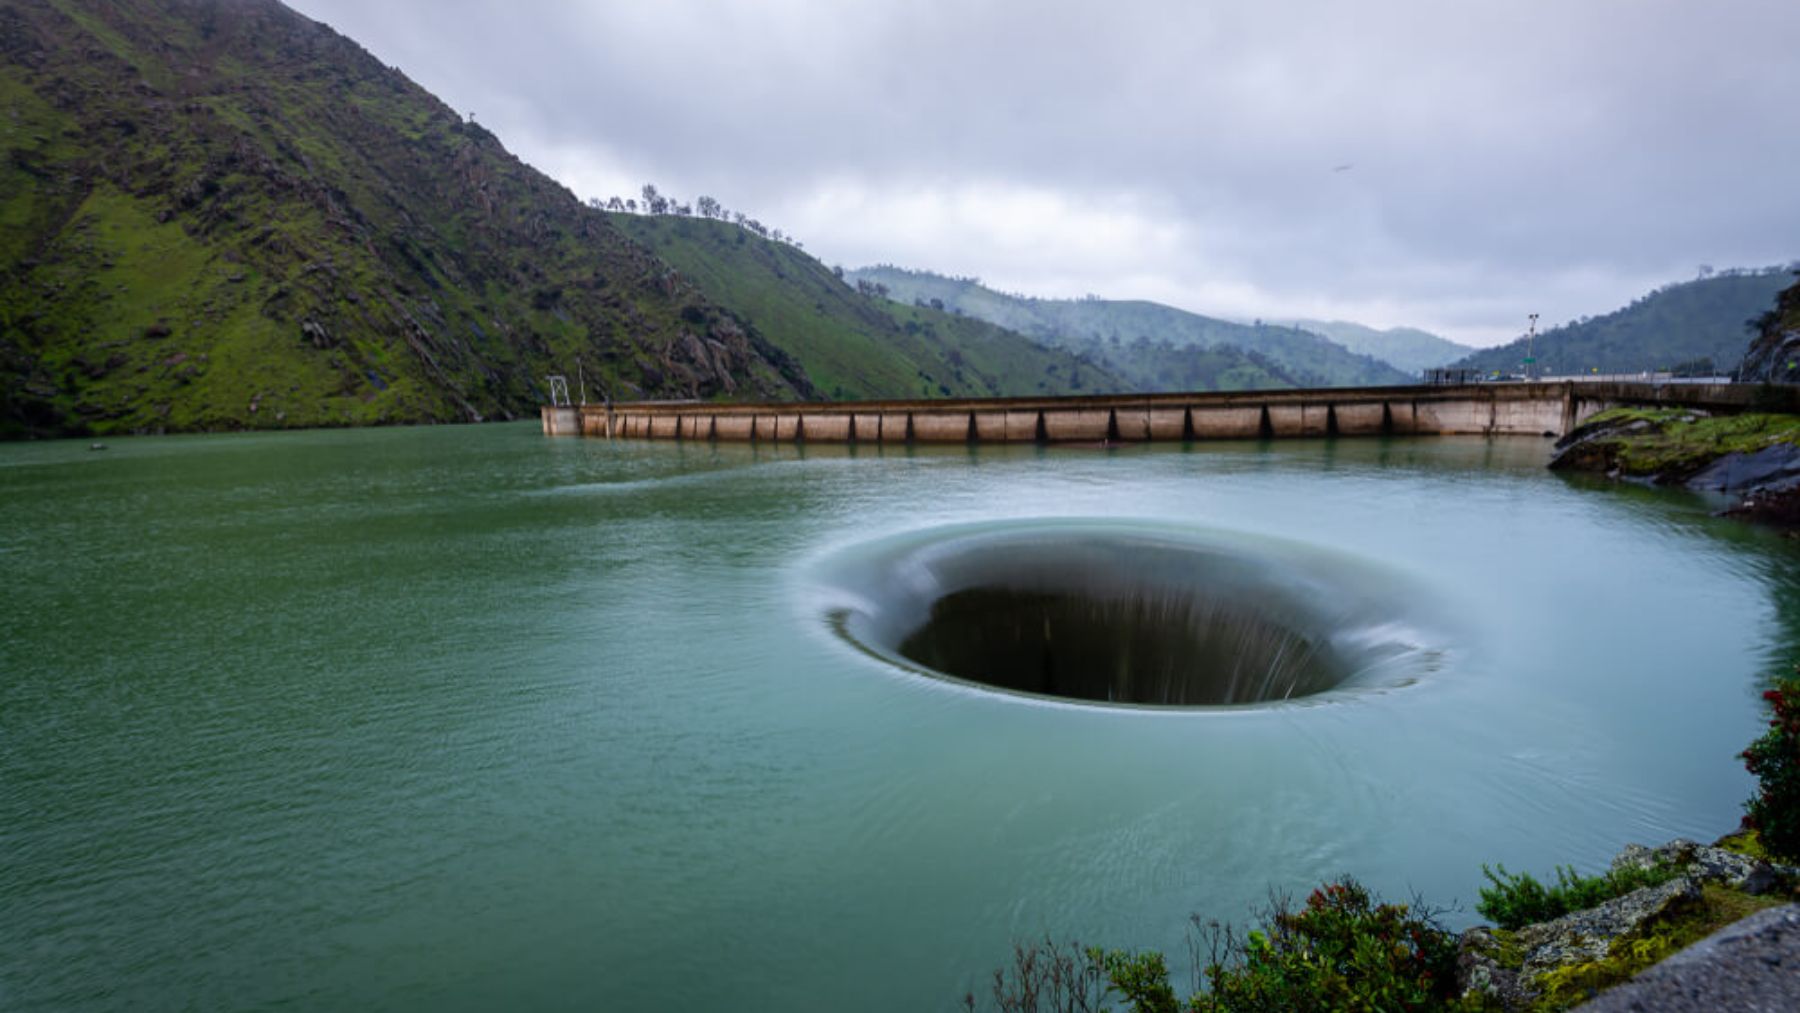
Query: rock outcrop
(1773,468)
(1705,863)
(1774,356)
(1747,966)
(1509,968)
(1754,457)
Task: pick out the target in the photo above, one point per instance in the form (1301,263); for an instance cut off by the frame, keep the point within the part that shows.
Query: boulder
(1774,467)
(1584,936)
(1706,864)
(1592,447)
(1479,971)
(315,332)
(1746,966)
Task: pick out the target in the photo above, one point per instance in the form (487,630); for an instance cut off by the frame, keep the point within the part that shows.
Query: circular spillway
(1133,614)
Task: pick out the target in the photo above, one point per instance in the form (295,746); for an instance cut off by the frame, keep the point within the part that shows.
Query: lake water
(468,718)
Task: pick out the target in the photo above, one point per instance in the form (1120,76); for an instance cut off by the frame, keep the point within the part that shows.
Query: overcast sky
(1448,164)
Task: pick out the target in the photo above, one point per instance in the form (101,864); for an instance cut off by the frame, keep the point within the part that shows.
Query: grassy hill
(1298,358)
(220,214)
(848,344)
(1405,348)
(1696,326)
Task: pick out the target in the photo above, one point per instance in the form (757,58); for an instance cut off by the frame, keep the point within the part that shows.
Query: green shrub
(1775,760)
(1516,901)
(1341,951)
(1141,979)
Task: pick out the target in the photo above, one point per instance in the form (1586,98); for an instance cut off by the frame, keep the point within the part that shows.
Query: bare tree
(1047,977)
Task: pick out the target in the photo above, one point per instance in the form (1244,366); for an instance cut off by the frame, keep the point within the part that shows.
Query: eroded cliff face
(1774,355)
(218,214)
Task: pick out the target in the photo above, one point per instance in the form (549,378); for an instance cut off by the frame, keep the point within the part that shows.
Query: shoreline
(1753,458)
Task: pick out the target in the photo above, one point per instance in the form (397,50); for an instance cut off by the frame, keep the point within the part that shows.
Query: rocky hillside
(1111,327)
(1774,354)
(219,214)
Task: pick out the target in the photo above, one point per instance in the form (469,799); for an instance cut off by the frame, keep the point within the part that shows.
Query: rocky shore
(1564,962)
(1753,458)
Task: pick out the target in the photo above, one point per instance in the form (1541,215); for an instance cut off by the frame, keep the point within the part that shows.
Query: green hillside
(220,214)
(849,344)
(1697,326)
(1405,348)
(1302,358)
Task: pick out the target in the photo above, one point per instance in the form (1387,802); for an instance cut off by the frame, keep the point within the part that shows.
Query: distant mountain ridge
(1405,348)
(1109,328)
(1703,325)
(850,344)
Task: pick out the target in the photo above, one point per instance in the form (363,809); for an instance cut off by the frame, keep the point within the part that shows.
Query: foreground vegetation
(1513,902)
(1340,950)
(1345,949)
(1774,814)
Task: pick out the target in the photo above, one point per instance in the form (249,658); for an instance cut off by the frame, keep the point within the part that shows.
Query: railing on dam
(1535,409)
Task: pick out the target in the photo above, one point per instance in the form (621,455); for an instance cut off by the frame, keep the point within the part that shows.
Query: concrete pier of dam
(1519,409)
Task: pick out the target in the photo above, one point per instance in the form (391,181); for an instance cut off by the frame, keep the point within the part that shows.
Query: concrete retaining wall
(1483,409)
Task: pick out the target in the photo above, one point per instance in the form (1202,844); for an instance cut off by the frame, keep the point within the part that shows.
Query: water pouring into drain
(1138,614)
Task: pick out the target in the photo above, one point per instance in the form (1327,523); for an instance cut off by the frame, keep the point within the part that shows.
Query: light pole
(1531,347)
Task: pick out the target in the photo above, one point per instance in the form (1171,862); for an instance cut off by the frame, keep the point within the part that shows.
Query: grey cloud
(1508,156)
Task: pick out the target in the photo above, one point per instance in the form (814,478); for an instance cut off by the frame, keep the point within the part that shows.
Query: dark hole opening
(1149,646)
(1132,613)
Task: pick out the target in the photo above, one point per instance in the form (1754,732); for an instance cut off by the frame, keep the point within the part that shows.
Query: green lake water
(469,718)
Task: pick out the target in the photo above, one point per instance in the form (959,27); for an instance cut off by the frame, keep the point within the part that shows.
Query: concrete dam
(1517,409)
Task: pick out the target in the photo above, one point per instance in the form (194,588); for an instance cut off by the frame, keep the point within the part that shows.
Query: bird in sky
(1346,167)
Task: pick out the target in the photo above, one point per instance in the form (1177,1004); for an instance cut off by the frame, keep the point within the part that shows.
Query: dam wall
(1519,409)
